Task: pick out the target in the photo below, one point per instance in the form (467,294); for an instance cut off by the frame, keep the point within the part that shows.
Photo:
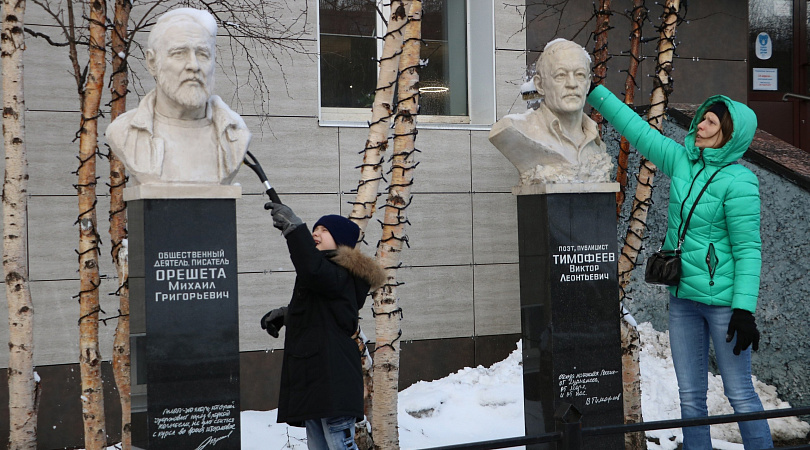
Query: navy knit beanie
(343,231)
(719,109)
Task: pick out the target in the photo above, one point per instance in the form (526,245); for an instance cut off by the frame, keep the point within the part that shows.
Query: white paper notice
(765,79)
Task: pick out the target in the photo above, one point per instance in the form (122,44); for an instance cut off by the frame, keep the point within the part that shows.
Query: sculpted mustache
(193,79)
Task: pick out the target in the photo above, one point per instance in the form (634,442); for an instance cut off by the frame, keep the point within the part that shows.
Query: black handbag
(664,266)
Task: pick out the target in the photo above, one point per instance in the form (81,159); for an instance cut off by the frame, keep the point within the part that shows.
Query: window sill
(360,118)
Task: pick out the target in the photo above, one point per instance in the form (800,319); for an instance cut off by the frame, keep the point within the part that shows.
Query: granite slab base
(570,311)
(184,304)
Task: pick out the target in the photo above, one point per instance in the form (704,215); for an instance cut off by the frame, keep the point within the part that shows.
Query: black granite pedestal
(570,311)
(183,285)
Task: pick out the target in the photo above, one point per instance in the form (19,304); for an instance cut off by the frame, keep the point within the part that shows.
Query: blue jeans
(334,433)
(691,325)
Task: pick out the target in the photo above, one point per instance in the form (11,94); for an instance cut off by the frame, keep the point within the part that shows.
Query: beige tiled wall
(460,272)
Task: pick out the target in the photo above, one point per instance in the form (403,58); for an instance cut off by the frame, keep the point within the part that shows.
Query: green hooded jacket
(721,252)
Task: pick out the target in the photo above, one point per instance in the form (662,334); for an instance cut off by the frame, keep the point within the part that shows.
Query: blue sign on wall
(763,47)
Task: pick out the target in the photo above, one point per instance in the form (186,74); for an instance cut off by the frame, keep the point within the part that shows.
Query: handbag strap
(682,235)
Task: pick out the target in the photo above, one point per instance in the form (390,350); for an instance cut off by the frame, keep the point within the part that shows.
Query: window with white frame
(456,85)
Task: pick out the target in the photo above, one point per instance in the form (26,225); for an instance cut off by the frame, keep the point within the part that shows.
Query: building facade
(460,295)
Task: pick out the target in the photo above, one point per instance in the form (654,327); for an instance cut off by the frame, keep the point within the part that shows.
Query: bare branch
(69,31)
(257,31)
(47,38)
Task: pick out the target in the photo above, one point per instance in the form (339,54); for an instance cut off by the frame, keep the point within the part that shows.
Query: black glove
(742,322)
(273,321)
(283,217)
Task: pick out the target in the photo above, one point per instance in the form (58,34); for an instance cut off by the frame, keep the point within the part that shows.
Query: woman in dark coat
(321,377)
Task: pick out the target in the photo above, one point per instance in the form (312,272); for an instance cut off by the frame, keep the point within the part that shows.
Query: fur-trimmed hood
(359,265)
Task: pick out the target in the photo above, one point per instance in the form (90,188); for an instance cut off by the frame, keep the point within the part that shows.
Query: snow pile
(480,404)
(473,404)
(260,431)
(659,398)
(468,406)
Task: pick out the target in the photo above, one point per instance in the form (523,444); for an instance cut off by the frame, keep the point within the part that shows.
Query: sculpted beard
(185,92)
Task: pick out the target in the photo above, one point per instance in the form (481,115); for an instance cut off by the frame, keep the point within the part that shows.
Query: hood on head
(745,125)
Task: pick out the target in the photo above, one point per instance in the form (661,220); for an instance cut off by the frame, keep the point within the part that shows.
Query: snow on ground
(470,405)
(659,400)
(478,404)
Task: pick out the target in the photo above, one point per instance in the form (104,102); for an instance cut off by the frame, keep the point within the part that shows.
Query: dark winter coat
(721,253)
(321,375)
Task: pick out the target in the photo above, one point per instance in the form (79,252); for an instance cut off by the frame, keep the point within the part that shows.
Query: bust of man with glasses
(181,133)
(557,142)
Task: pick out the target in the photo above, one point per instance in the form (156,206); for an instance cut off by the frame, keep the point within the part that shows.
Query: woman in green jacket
(720,253)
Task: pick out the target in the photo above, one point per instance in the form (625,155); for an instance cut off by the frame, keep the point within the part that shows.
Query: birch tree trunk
(631,373)
(387,312)
(631,385)
(365,203)
(118,222)
(639,15)
(22,383)
(362,436)
(636,227)
(600,52)
(662,82)
(92,398)
(658,99)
